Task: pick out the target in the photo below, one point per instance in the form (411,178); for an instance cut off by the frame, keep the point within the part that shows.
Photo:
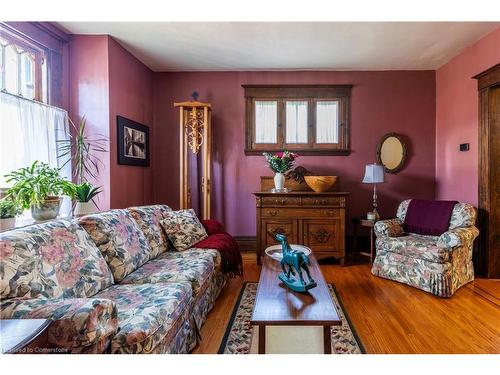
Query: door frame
(488,258)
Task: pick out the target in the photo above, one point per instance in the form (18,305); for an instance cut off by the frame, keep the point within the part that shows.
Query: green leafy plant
(34,184)
(82,149)
(280,162)
(9,208)
(85,192)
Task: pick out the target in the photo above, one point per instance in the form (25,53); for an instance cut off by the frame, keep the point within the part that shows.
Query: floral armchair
(436,264)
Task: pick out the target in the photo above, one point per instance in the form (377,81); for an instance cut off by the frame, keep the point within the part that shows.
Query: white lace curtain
(327,127)
(28,132)
(266,120)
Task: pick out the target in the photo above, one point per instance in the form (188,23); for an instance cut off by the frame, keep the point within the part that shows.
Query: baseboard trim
(246,244)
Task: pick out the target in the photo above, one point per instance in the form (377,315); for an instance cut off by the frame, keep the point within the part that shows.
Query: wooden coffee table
(292,322)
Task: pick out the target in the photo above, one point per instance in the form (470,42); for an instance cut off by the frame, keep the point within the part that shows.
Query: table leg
(262,339)
(327,339)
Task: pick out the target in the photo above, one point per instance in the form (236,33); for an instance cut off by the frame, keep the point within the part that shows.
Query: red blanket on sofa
(219,239)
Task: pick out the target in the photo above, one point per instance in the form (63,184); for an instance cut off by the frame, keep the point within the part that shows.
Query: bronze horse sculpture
(296,262)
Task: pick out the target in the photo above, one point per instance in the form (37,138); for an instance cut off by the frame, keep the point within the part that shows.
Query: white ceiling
(203,46)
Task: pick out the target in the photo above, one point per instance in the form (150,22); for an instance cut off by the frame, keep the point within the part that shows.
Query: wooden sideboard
(315,220)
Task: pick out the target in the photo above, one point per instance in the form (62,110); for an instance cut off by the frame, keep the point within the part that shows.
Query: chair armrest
(213,226)
(458,237)
(388,228)
(78,323)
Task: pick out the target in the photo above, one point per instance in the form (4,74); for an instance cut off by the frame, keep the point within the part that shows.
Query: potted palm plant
(84,195)
(40,188)
(81,149)
(9,209)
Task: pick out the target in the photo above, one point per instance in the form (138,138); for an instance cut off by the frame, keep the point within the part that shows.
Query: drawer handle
(273,213)
(281,201)
(321,201)
(330,213)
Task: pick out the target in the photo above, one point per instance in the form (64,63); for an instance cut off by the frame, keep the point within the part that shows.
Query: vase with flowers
(280,163)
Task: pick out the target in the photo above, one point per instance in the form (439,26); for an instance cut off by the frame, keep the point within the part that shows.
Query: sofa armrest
(78,323)
(458,237)
(388,228)
(213,226)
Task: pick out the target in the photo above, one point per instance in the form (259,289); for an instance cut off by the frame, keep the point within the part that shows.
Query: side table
(27,336)
(364,222)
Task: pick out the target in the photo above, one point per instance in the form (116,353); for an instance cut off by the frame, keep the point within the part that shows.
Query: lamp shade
(374,174)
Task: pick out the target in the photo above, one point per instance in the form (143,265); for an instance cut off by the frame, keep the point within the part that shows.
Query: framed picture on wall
(133,142)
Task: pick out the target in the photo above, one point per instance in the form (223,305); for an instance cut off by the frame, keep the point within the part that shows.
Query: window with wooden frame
(309,119)
(22,66)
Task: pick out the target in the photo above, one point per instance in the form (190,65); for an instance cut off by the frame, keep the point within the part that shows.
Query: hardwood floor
(390,317)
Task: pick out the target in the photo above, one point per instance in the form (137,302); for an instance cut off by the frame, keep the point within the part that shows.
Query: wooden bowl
(320,183)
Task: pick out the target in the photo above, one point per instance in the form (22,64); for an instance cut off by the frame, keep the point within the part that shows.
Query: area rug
(238,336)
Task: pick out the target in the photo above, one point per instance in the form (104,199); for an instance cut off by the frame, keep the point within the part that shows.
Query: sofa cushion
(194,267)
(148,314)
(120,240)
(183,228)
(415,246)
(51,260)
(148,218)
(80,325)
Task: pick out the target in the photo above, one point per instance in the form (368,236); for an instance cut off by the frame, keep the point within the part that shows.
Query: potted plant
(279,164)
(84,194)
(40,188)
(82,149)
(9,209)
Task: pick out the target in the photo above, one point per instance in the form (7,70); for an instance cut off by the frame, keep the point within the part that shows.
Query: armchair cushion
(54,259)
(414,246)
(120,240)
(458,237)
(388,228)
(79,324)
(148,218)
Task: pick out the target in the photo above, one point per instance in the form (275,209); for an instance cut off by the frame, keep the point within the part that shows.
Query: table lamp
(374,174)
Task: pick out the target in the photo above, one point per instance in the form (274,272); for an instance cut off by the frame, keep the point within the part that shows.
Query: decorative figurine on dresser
(315,219)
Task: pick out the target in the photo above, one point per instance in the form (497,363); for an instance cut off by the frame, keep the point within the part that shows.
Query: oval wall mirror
(391,152)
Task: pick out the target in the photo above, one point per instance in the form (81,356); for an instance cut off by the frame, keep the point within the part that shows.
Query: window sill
(306,152)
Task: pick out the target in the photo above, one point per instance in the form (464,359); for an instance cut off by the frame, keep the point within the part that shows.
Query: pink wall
(89,96)
(131,96)
(382,102)
(106,81)
(457,119)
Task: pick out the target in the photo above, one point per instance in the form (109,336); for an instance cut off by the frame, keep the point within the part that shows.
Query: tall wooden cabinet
(315,220)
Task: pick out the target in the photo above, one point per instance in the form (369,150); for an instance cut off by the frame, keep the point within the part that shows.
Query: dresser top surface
(302,193)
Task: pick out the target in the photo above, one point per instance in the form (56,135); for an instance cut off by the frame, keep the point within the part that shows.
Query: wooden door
(322,235)
(270,227)
(487,260)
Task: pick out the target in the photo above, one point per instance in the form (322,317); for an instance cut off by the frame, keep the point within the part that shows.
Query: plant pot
(48,210)
(7,223)
(84,208)
(279,181)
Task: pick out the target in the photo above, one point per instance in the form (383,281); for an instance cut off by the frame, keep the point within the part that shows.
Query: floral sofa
(436,264)
(110,282)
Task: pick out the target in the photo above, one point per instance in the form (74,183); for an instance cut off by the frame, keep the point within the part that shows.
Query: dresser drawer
(300,213)
(280,201)
(323,201)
